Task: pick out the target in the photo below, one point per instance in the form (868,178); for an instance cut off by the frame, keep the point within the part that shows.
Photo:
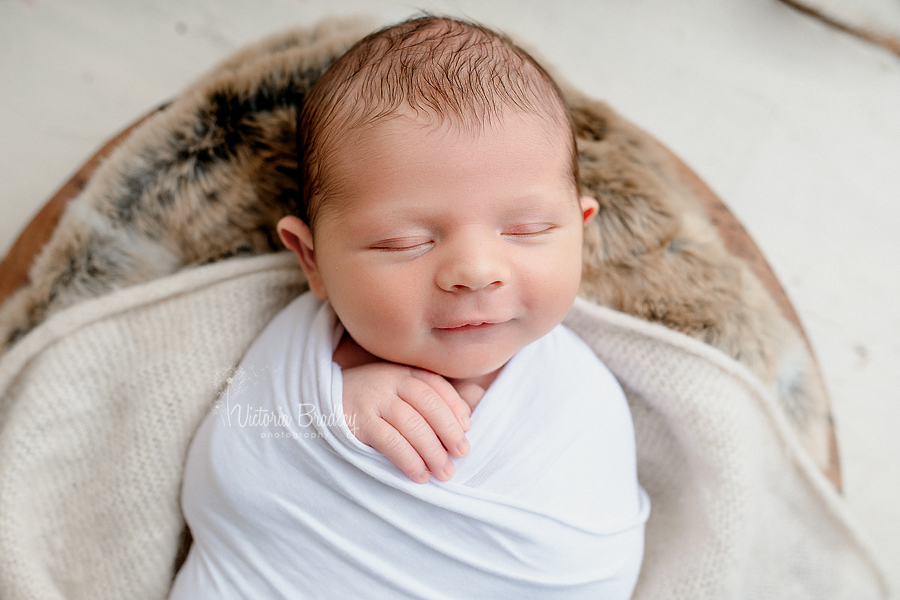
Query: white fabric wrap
(98,406)
(284,501)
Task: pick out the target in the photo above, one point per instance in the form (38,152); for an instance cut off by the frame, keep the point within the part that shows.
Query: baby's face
(447,250)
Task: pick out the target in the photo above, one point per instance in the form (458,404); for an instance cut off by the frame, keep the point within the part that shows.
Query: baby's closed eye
(403,244)
(526,230)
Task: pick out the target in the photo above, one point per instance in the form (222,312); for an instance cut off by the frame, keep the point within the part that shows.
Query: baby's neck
(349,354)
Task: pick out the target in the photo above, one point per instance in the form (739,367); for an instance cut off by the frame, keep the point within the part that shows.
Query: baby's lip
(470,324)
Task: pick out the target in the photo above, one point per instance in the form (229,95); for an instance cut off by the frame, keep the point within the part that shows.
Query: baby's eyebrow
(537,204)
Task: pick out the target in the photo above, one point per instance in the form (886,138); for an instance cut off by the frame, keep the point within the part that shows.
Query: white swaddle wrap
(283,500)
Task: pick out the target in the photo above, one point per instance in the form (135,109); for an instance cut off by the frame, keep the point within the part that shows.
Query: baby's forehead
(414,169)
(553,132)
(403,137)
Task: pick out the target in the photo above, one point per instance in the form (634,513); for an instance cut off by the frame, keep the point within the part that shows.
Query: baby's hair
(437,68)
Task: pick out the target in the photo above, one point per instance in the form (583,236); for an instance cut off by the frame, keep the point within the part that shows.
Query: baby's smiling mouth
(463,326)
(467,327)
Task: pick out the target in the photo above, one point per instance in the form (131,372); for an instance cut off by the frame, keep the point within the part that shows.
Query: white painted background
(795,125)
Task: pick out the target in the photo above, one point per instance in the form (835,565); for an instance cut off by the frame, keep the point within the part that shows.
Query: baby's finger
(471,393)
(419,393)
(448,393)
(386,439)
(419,433)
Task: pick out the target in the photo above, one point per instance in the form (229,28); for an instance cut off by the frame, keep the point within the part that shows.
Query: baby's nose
(473,266)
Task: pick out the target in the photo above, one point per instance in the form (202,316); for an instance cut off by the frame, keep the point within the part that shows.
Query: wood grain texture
(16,264)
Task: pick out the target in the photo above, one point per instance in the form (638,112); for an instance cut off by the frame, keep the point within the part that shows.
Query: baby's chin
(479,375)
(350,353)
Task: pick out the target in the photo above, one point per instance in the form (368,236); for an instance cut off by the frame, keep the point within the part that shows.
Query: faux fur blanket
(98,331)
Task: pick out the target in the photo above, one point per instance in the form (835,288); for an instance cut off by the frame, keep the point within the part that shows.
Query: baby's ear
(589,208)
(297,236)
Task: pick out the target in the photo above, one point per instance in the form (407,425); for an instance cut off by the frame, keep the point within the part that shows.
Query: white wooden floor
(794,124)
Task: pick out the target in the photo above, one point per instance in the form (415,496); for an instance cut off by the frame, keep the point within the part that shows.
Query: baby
(425,426)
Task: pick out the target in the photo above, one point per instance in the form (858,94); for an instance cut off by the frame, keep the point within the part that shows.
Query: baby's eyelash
(530,229)
(401,245)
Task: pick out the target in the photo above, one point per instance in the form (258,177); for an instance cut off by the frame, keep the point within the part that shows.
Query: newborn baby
(422,424)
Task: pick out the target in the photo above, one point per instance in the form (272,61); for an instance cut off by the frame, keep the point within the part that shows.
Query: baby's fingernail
(422,476)
(448,469)
(462,446)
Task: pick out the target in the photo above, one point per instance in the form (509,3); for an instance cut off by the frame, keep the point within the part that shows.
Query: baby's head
(442,215)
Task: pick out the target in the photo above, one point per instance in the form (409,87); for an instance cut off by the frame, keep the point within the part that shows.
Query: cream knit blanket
(98,405)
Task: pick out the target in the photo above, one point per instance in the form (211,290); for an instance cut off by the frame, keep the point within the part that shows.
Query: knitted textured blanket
(119,342)
(102,401)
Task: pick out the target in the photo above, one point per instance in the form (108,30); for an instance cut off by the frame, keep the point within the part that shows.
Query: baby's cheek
(382,326)
(550,291)
(558,271)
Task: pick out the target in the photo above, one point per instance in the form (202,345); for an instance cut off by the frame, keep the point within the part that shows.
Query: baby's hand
(412,416)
